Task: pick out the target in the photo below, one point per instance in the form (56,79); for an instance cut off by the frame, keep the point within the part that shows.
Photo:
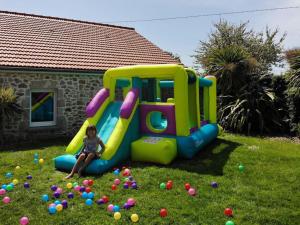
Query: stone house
(56,65)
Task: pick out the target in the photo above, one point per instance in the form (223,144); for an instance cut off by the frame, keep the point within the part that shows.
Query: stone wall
(73,92)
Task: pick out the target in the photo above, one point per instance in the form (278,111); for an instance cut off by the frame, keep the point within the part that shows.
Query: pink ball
(2,192)
(59,190)
(117,181)
(110,207)
(131,201)
(127,171)
(192,191)
(6,200)
(77,188)
(24,220)
(52,205)
(85,182)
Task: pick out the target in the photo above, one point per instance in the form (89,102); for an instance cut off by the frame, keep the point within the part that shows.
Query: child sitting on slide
(89,151)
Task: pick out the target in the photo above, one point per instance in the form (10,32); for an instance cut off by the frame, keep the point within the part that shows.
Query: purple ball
(56,194)
(29,177)
(64,204)
(82,189)
(134,186)
(70,195)
(26,185)
(214,184)
(100,201)
(125,186)
(130,178)
(53,187)
(126,206)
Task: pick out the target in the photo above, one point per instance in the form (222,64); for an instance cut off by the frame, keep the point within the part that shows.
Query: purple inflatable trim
(96,102)
(129,102)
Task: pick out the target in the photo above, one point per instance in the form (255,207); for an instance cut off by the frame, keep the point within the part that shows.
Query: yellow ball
(59,207)
(134,218)
(117,215)
(18,167)
(41,161)
(15,181)
(69,185)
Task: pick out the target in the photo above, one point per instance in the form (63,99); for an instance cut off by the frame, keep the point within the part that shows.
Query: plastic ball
(77,188)
(91,195)
(2,191)
(8,175)
(117,215)
(116,208)
(125,186)
(127,172)
(105,199)
(56,194)
(9,187)
(64,204)
(100,201)
(88,189)
(53,187)
(41,161)
(45,198)
(126,206)
(24,220)
(163,213)
(84,195)
(162,186)
(59,207)
(241,168)
(89,201)
(169,186)
(131,202)
(130,178)
(52,210)
(3,186)
(59,190)
(18,167)
(187,186)
(51,205)
(229,223)
(116,172)
(36,155)
(228,212)
(15,181)
(117,181)
(134,218)
(90,182)
(113,187)
(36,161)
(110,207)
(57,202)
(75,184)
(134,186)
(214,184)
(6,200)
(170,181)
(26,185)
(82,189)
(70,195)
(85,182)
(69,185)
(192,191)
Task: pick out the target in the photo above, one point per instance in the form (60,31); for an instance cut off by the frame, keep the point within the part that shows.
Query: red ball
(169,186)
(171,182)
(163,212)
(90,182)
(228,212)
(105,199)
(113,187)
(88,189)
(187,186)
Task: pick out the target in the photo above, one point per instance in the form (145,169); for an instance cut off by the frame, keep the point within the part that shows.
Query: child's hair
(90,127)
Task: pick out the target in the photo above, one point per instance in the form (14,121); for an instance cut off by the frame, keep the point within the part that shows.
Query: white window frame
(45,123)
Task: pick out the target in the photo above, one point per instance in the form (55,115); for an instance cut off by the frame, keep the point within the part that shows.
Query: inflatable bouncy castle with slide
(142,126)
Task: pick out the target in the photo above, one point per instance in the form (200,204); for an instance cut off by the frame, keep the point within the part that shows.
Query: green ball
(229,223)
(75,184)
(9,187)
(241,168)
(162,186)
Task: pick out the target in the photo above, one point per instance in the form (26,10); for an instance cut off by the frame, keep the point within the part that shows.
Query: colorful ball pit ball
(169,186)
(163,213)
(2,191)
(162,186)
(88,189)
(3,186)
(57,202)
(134,218)
(91,195)
(59,207)
(84,195)
(187,186)
(228,212)
(126,206)
(125,186)
(45,198)
(15,181)
(77,188)
(110,207)
(89,202)
(90,182)
(9,187)
(214,184)
(8,175)
(113,187)
(117,215)
(116,172)
(241,168)
(41,161)
(229,223)
(24,220)
(64,204)
(59,190)
(82,189)
(131,202)
(85,182)
(69,185)
(52,209)
(18,167)
(100,201)
(56,194)
(134,186)
(105,199)
(116,208)
(53,187)
(26,185)
(6,200)
(117,181)
(70,195)
(192,192)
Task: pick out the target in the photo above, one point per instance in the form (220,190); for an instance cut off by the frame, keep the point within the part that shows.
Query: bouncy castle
(143,126)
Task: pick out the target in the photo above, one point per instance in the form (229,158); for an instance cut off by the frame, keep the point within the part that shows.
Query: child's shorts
(85,155)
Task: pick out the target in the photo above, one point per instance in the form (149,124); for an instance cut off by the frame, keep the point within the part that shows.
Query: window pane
(42,106)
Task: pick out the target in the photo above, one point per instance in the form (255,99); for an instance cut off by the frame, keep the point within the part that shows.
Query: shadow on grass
(210,160)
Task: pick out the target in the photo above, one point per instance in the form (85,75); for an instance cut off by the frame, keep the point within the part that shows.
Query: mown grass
(266,193)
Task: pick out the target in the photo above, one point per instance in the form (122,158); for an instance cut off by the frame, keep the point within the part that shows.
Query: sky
(178,36)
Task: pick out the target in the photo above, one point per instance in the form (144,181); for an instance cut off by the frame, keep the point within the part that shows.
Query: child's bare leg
(87,161)
(75,167)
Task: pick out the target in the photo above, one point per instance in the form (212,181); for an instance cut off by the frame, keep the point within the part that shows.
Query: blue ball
(89,202)
(90,195)
(45,198)
(52,210)
(36,161)
(4,186)
(8,175)
(36,156)
(117,172)
(57,202)
(84,195)
(116,208)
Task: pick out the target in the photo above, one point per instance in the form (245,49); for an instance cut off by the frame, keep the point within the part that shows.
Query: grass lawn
(267,192)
